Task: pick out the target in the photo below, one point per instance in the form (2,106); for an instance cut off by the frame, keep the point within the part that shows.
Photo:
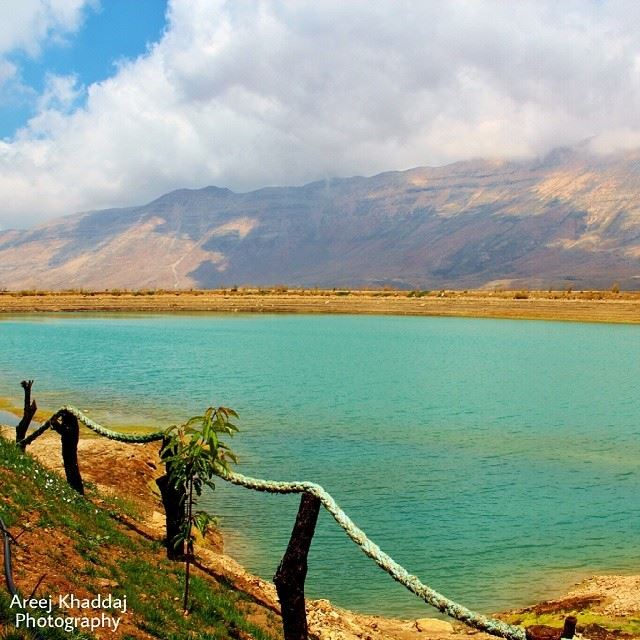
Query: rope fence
(447,606)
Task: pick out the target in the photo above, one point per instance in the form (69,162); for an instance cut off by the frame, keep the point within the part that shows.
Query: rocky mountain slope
(570,219)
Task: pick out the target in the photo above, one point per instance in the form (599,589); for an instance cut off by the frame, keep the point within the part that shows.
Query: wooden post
(8,569)
(569,628)
(29,411)
(173,499)
(291,573)
(544,632)
(67,427)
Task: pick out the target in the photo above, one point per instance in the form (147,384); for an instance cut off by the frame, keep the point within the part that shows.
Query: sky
(114,102)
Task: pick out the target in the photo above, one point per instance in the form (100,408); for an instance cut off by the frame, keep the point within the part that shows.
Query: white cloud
(247,94)
(26,24)
(60,93)
(24,27)
(7,72)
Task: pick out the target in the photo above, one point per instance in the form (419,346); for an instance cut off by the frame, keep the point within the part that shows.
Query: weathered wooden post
(569,629)
(67,426)
(290,576)
(544,632)
(173,499)
(8,569)
(29,411)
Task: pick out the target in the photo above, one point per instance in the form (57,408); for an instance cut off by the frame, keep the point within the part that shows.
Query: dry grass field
(583,306)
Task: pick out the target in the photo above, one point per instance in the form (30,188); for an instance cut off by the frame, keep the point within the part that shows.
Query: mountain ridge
(569,219)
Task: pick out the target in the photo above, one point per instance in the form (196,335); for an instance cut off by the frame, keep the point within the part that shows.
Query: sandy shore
(587,306)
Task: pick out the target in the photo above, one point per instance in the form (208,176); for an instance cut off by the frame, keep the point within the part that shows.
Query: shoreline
(613,600)
(583,306)
(600,599)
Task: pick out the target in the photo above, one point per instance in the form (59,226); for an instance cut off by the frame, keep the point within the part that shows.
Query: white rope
(387,563)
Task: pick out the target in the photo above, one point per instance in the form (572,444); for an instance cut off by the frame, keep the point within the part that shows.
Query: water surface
(496,459)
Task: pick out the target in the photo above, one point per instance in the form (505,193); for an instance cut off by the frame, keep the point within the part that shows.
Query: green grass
(585,619)
(216,612)
(106,551)
(7,618)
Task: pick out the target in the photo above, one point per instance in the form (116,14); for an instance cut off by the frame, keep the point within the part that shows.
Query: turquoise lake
(497,460)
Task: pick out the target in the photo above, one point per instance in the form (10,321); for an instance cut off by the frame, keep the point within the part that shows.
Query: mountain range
(570,219)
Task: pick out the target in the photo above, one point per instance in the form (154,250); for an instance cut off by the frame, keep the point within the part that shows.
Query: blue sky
(110,31)
(249,93)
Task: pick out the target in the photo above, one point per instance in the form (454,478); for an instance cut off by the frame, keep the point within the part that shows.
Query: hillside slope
(68,544)
(571,219)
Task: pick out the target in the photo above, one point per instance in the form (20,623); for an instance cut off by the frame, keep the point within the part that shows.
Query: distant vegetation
(283,291)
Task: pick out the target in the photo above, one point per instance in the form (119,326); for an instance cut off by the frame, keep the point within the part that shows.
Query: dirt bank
(587,306)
